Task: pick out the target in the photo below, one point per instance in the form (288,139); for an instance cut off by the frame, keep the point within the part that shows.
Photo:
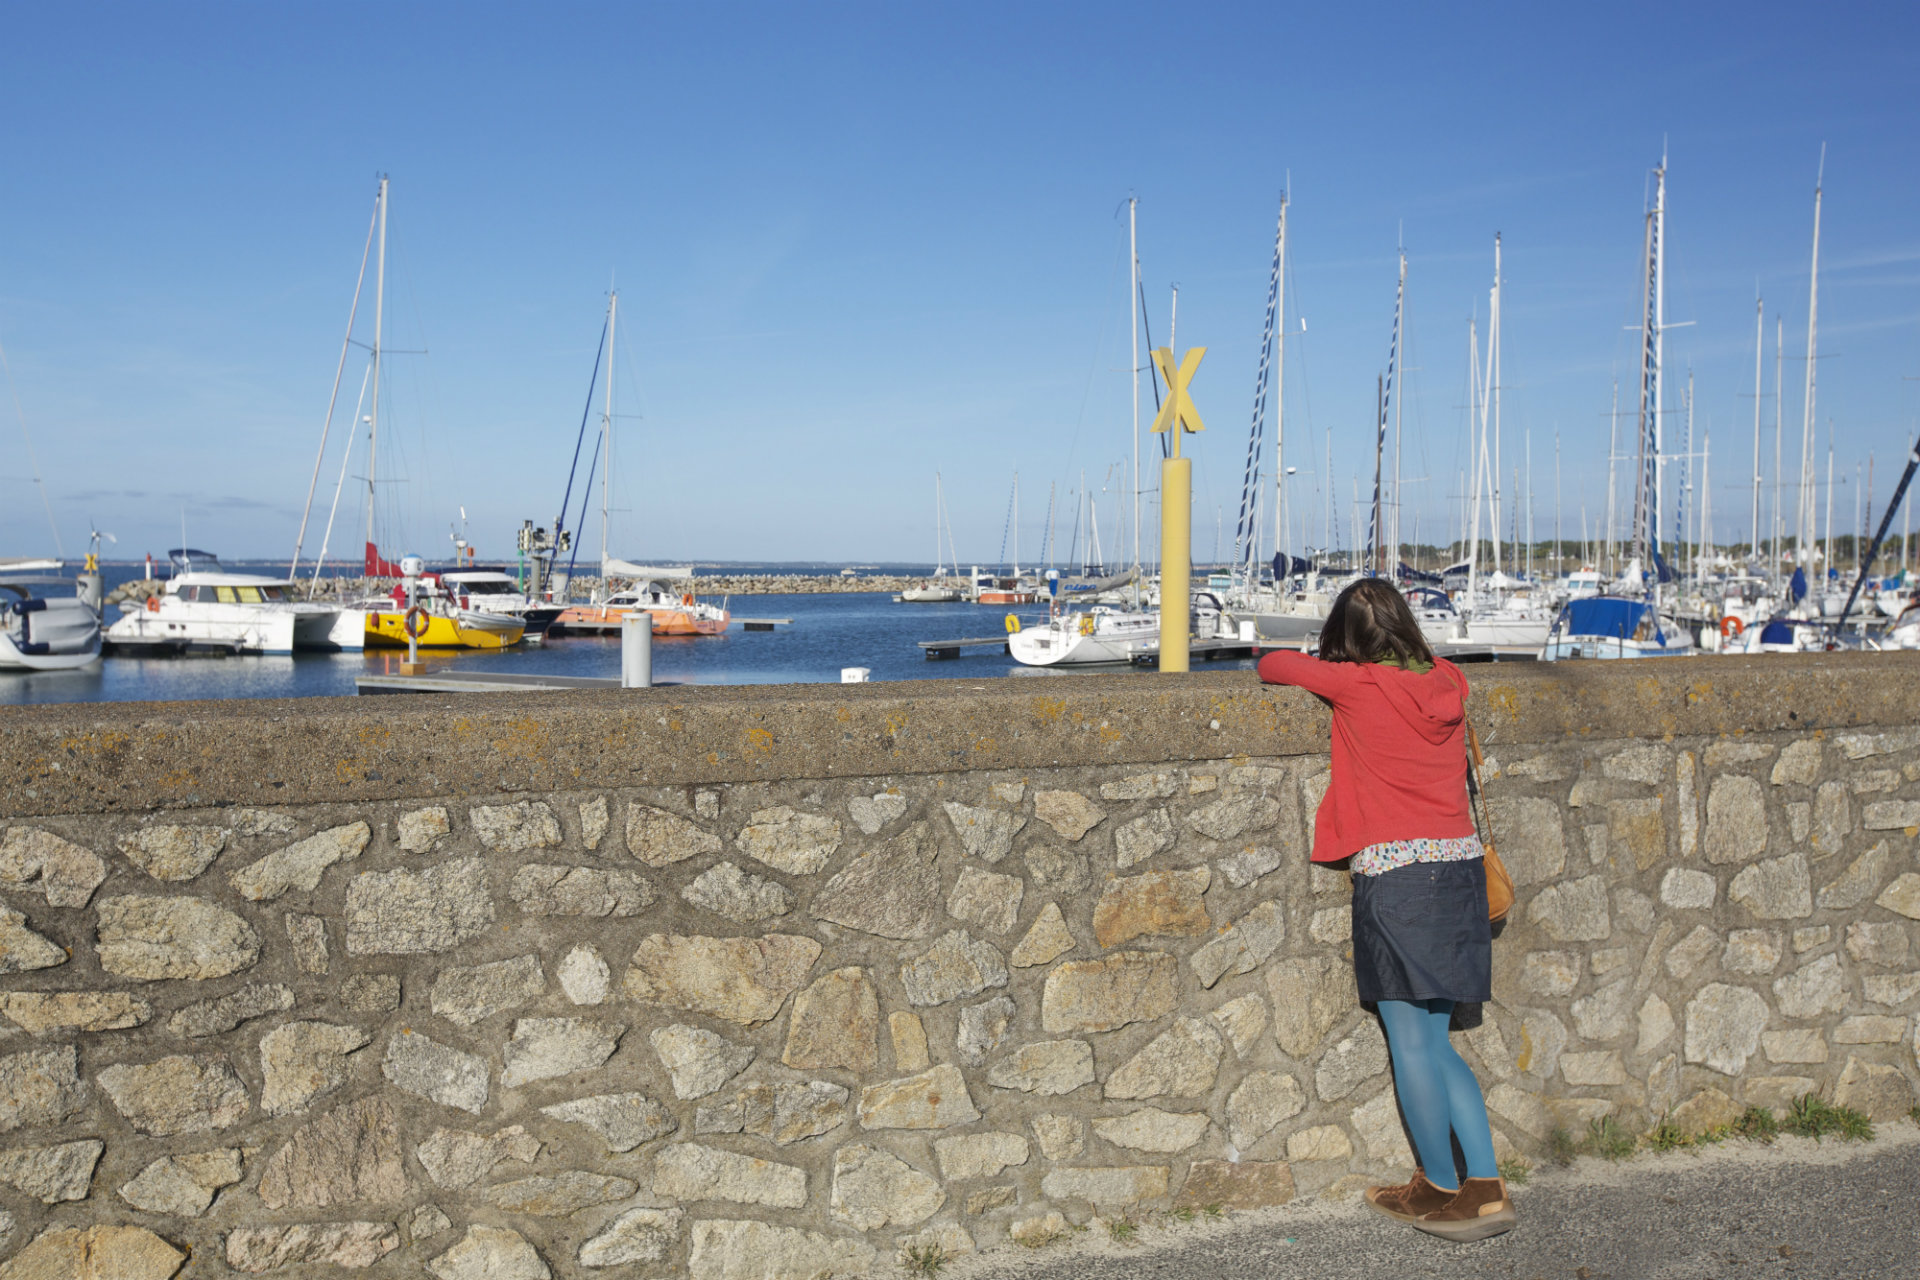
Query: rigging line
(32,461)
(586,496)
(1106,327)
(326,538)
(339,371)
(579,439)
(1153,376)
(1257,433)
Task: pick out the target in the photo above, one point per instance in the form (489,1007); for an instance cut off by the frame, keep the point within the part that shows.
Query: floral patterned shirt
(1377,859)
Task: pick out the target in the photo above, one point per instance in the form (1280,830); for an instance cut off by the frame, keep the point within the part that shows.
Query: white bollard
(855,675)
(636,650)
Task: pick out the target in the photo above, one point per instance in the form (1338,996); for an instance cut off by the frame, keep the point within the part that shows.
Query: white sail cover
(614,568)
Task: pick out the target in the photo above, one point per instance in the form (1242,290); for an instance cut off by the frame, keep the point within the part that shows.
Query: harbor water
(828,632)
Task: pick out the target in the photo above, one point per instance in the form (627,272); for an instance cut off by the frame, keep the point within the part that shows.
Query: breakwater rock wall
(786,981)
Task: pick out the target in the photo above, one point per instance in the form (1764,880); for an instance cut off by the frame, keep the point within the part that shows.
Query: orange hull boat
(666,621)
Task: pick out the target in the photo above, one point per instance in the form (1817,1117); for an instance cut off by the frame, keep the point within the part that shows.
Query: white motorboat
(42,632)
(1101,634)
(1105,634)
(1504,626)
(493,591)
(934,592)
(202,607)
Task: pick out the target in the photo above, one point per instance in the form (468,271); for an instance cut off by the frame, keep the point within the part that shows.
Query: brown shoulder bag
(1499,883)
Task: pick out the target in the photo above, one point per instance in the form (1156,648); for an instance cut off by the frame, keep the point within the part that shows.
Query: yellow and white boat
(455,629)
(440,620)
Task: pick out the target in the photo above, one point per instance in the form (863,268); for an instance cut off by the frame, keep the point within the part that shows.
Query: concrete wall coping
(144,756)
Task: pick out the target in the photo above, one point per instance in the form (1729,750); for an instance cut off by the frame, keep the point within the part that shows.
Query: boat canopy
(189,560)
(1607,616)
(612,568)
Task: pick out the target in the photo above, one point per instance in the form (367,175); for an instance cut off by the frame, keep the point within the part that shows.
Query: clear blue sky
(856,244)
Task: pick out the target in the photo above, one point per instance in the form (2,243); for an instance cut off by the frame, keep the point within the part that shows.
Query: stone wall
(848,970)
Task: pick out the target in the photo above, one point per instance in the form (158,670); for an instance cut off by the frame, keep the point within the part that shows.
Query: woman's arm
(1327,679)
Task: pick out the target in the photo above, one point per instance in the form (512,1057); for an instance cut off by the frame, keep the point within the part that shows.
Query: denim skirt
(1420,932)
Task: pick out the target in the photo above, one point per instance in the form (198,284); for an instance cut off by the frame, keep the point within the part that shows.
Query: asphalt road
(1672,1218)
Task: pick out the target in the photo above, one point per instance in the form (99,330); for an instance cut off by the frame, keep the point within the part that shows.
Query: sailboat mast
(1659,358)
(1613,454)
(1280,523)
(1759,346)
(1779,476)
(1646,527)
(1493,394)
(1399,396)
(606,437)
(1813,331)
(379,315)
(1133,301)
(1476,448)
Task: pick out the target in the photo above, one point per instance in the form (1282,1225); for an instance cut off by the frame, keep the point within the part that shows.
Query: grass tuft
(1561,1148)
(1040,1239)
(1122,1229)
(1184,1213)
(1215,1211)
(1813,1117)
(1606,1139)
(1668,1136)
(1756,1124)
(1516,1171)
(926,1259)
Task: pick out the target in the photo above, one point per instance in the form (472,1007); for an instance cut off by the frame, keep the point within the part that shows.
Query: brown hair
(1370,621)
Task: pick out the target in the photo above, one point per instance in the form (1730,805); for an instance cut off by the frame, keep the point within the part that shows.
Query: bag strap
(1475,763)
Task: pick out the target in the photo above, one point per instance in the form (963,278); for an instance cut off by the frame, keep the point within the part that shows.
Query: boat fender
(1013,624)
(687,599)
(416,622)
(1086,624)
(1731,627)
(153,604)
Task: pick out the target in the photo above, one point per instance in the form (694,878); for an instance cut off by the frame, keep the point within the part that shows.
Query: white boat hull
(240,628)
(1067,641)
(42,634)
(12,659)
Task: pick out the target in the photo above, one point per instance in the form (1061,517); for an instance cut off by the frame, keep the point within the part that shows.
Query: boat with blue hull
(1611,627)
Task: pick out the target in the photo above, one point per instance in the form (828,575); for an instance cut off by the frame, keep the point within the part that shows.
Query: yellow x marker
(1178,406)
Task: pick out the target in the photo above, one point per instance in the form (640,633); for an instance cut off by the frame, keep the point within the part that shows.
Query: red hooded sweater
(1399,751)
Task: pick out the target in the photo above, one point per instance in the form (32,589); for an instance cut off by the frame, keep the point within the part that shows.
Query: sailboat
(1631,625)
(433,616)
(1497,610)
(659,592)
(937,590)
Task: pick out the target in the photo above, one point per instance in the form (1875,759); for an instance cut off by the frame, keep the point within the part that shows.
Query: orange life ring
(153,604)
(408,622)
(687,599)
(1731,627)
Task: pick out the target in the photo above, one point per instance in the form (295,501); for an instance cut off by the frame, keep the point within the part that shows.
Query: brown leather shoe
(1410,1200)
(1481,1209)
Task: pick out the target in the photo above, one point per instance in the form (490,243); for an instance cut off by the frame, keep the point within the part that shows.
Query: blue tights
(1438,1093)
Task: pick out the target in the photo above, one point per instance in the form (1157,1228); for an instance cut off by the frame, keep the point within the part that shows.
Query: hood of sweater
(1428,701)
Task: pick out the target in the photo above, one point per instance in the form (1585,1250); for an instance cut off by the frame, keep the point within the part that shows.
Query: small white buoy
(855,675)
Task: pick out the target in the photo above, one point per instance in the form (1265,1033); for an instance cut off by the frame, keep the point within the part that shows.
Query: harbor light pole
(1177,415)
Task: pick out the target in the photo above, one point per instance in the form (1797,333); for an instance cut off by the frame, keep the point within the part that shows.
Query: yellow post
(1178,415)
(1176,533)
